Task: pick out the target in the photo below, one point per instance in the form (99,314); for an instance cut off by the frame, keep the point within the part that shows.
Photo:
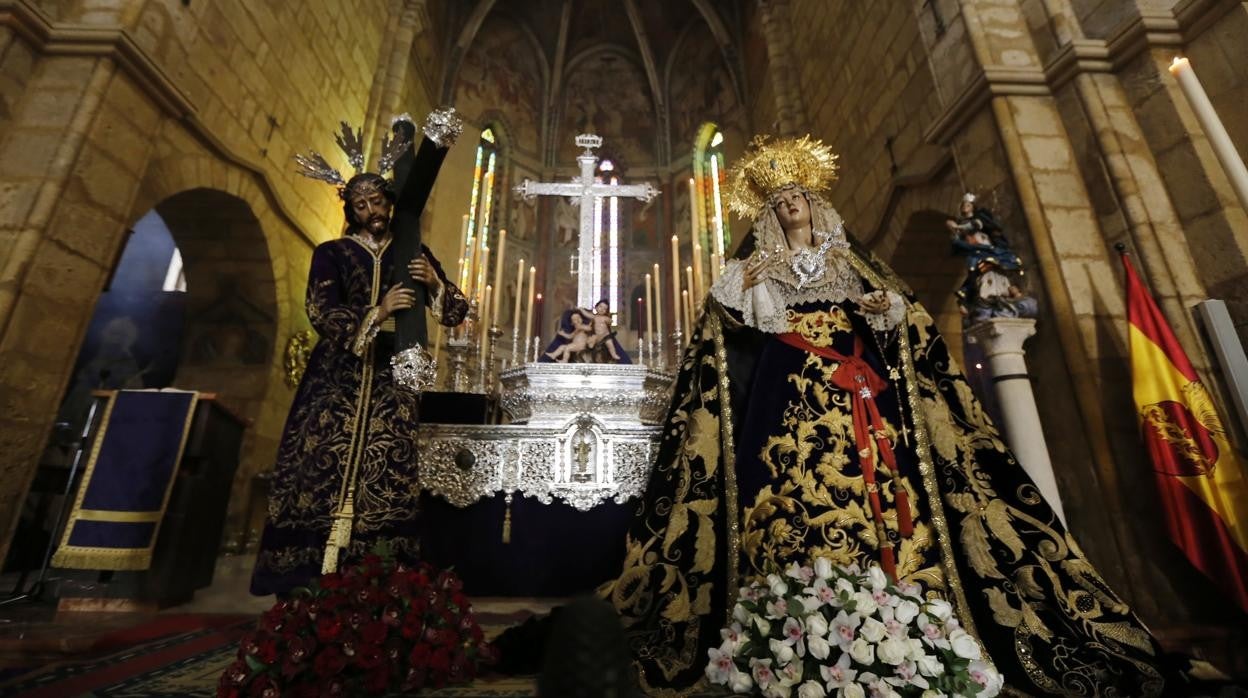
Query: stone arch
(922,260)
(232,235)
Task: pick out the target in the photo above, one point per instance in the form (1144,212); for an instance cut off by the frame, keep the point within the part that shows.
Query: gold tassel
(339,535)
(507,524)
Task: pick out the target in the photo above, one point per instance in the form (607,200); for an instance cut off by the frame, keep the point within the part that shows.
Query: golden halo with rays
(769,165)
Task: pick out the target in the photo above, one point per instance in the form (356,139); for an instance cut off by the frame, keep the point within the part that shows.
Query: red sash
(857,377)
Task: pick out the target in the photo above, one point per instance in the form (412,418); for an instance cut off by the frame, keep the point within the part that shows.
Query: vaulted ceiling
(564,33)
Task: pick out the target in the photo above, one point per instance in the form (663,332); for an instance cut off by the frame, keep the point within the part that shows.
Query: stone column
(778,32)
(1002,341)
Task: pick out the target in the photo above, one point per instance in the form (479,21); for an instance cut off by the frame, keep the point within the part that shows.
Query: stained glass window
(708,176)
(476,233)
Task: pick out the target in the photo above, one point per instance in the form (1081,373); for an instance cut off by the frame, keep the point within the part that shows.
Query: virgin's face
(792,209)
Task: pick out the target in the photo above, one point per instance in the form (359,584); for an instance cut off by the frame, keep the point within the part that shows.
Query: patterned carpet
(189,663)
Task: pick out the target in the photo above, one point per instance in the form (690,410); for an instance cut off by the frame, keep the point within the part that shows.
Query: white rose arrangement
(841,632)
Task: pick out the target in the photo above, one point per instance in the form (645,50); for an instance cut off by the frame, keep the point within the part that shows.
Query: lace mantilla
(762,307)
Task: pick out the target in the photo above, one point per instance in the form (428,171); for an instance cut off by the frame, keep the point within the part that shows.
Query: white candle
(486,317)
(1219,140)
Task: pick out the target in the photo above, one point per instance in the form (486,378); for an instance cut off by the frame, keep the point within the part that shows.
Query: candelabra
(487,366)
(458,348)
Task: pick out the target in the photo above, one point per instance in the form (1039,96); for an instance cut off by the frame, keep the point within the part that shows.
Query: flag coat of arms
(1199,474)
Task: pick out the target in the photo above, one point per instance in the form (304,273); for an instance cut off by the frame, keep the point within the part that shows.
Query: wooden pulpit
(182,553)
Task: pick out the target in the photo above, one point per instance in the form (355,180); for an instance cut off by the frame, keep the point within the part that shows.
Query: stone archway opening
(191,303)
(230,335)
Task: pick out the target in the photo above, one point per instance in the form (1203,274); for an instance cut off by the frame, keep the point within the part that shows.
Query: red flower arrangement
(371,629)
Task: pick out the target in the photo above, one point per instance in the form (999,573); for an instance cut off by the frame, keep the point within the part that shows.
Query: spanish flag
(1199,474)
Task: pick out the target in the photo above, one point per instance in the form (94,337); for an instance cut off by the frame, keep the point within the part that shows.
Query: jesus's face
(371,211)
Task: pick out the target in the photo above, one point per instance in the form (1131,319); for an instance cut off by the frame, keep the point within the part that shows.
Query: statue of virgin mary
(817,413)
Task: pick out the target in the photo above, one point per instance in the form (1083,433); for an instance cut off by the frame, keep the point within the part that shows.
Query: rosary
(884,340)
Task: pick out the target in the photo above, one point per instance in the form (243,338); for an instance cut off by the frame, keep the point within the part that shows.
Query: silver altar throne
(580,433)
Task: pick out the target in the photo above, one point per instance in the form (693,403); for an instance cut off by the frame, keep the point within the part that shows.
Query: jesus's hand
(422,271)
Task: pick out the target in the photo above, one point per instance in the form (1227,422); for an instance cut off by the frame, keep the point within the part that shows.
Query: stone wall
(157,99)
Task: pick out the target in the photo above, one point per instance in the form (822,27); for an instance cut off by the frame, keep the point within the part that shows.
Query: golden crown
(769,166)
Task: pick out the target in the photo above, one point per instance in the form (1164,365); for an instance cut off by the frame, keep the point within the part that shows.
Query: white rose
(939,609)
(873,630)
(816,625)
(893,651)
(863,652)
(844,586)
(878,579)
(929,665)
(864,604)
(811,689)
(777,585)
(987,676)
(818,647)
(906,612)
(853,690)
(964,645)
(823,568)
(741,615)
(740,682)
(932,693)
(782,652)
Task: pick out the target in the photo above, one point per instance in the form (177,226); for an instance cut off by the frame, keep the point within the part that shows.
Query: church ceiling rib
(727,44)
(466,36)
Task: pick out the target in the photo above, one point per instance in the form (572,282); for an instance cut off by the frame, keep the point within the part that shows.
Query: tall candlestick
(684,302)
(649,307)
(1219,140)
(714,267)
(692,293)
(528,317)
(485,316)
(537,318)
(717,202)
(463,245)
(481,278)
(693,210)
(498,275)
(699,288)
(641,319)
(676,281)
(658,301)
(515,314)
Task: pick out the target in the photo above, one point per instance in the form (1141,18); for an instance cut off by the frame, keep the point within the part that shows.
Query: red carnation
(328,628)
(374,632)
(264,687)
(330,662)
(419,656)
(377,680)
(370,656)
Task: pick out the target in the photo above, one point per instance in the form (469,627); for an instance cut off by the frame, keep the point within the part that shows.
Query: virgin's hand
(397,298)
(754,268)
(422,271)
(875,302)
